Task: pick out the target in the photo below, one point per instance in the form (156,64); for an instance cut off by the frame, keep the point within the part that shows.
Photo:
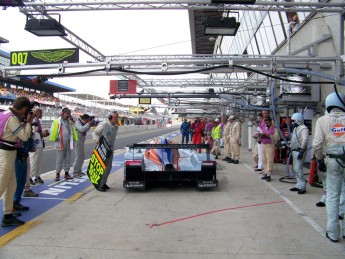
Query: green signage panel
(51,56)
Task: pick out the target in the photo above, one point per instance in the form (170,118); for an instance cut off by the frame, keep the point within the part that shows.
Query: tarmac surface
(245,217)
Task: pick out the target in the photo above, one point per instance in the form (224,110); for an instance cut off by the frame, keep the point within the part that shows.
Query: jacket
(56,133)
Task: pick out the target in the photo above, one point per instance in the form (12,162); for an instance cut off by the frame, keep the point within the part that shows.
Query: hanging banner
(51,56)
(98,162)
(144,100)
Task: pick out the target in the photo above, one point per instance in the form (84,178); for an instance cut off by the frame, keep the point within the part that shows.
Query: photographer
(83,125)
(15,126)
(36,157)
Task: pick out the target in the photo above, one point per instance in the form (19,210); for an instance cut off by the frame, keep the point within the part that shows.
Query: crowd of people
(328,149)
(21,151)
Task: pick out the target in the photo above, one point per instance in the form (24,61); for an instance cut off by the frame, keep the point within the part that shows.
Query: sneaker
(57,178)
(106,186)
(341,217)
(264,177)
(16,213)
(30,193)
(226,159)
(38,180)
(231,161)
(301,191)
(320,204)
(332,240)
(32,182)
(82,174)
(68,177)
(101,189)
(12,221)
(76,175)
(19,207)
(294,189)
(258,170)
(236,162)
(268,178)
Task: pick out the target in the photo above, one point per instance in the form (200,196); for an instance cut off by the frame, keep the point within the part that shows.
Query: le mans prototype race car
(164,162)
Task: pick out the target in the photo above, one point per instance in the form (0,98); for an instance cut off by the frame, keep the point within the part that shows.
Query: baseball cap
(216,120)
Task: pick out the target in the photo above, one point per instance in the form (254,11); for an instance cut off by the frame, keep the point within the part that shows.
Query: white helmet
(216,120)
(297,117)
(332,101)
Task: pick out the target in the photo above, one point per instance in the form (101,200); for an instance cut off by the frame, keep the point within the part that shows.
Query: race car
(164,162)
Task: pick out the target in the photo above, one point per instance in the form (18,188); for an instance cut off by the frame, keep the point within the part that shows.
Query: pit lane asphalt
(244,217)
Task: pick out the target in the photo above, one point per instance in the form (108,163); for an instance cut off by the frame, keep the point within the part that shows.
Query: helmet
(216,120)
(332,101)
(297,117)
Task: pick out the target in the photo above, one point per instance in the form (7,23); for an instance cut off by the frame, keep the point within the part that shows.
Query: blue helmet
(298,117)
(332,101)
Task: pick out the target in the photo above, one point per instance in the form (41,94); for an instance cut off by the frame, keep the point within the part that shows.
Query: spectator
(294,25)
(83,125)
(63,133)
(268,136)
(12,130)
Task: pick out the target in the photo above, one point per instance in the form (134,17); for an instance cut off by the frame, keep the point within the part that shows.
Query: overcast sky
(110,32)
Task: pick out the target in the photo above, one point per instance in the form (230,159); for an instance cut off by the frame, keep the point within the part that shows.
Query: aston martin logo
(53,56)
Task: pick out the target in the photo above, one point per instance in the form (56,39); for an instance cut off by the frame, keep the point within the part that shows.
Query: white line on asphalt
(304,215)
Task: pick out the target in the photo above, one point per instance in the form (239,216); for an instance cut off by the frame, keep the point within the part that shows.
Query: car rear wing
(172,146)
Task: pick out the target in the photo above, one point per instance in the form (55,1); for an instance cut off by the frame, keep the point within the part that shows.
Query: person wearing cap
(268,136)
(299,145)
(64,135)
(234,135)
(83,125)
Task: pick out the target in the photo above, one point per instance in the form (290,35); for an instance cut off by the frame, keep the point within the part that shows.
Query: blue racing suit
(185,131)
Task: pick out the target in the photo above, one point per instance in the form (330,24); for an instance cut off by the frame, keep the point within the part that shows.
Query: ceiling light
(3,40)
(44,27)
(221,26)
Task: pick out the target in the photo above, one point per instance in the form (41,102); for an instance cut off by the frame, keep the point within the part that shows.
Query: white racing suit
(299,142)
(331,130)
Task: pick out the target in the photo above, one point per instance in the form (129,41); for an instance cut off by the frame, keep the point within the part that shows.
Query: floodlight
(3,40)
(221,26)
(44,27)
(233,1)
(11,3)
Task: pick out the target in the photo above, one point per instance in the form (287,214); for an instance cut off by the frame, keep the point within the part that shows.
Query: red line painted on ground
(214,211)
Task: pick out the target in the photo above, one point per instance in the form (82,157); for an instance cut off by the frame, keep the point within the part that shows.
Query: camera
(30,109)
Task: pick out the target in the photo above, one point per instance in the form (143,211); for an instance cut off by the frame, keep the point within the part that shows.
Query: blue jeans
(21,168)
